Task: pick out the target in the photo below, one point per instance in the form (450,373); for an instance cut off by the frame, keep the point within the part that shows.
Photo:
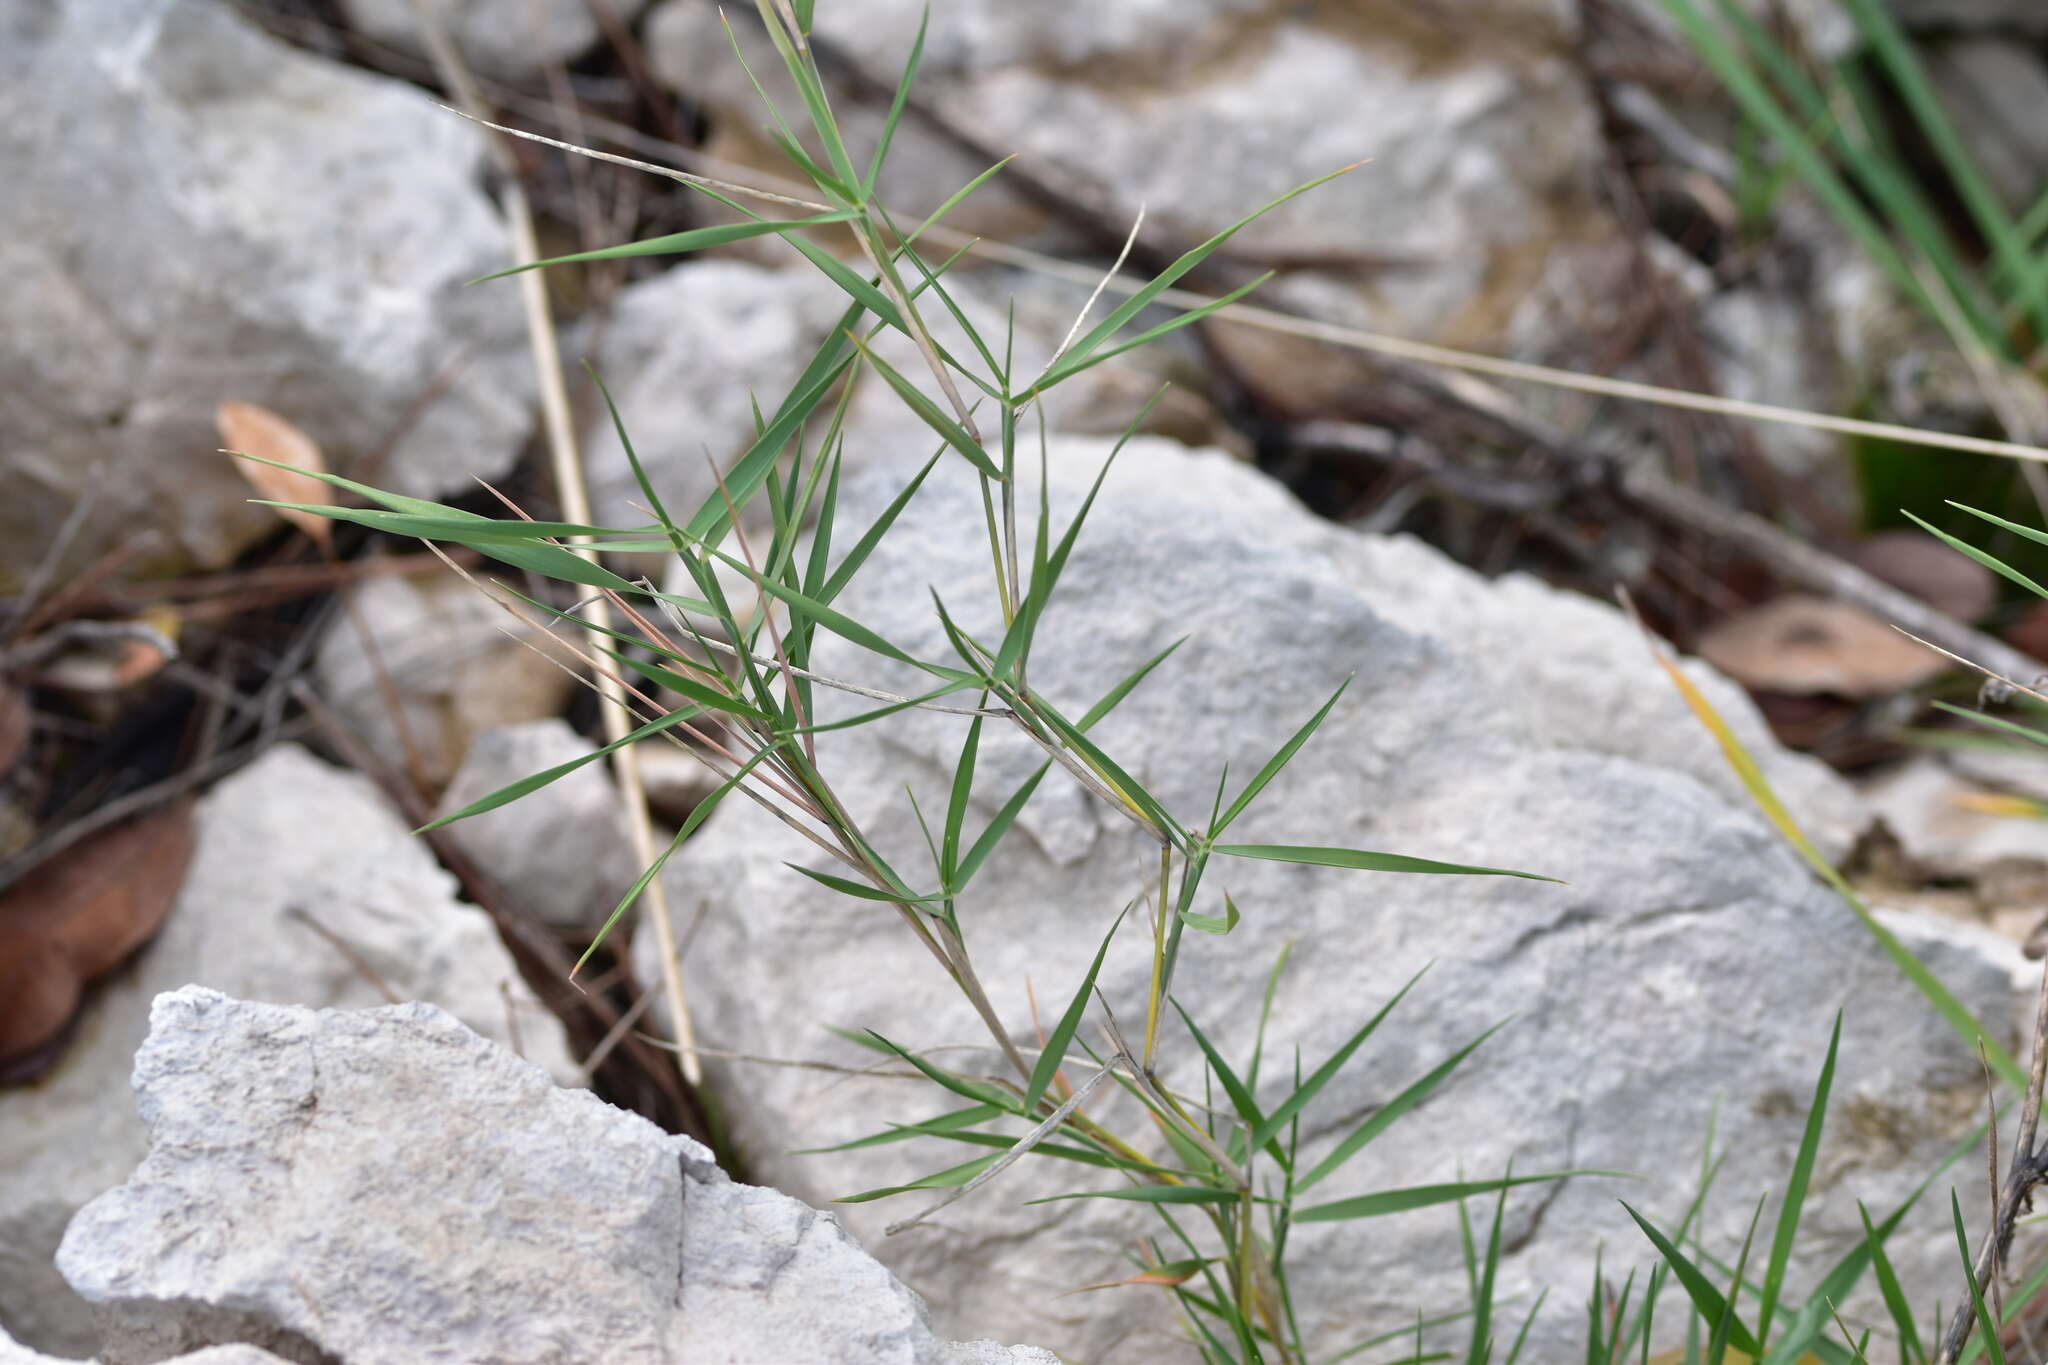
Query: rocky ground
(372,1118)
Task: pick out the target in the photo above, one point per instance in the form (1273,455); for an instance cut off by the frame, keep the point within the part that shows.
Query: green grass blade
(1989,1330)
(896,104)
(1706,1299)
(1992,220)
(928,412)
(978,1091)
(1152,1194)
(1384,1202)
(2025,732)
(1989,561)
(951,1178)
(1142,299)
(949,1122)
(1360,860)
(1068,366)
(998,827)
(1796,1187)
(846,886)
(1385,1116)
(1241,1100)
(1062,1035)
(676,243)
(533,782)
(1324,1074)
(1277,762)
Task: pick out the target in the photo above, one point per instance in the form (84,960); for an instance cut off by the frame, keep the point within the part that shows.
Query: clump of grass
(1229,1180)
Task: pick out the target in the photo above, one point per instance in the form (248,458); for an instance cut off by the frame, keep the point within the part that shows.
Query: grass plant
(1230,1176)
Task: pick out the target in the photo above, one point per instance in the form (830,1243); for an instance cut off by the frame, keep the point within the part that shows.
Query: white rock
(1503,724)
(14,1353)
(689,352)
(559,855)
(510,39)
(489,1215)
(1925,803)
(290,851)
(453,656)
(1480,135)
(197,212)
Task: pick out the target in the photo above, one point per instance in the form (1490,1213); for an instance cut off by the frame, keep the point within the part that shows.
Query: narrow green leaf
(1277,762)
(865,547)
(979,1091)
(1705,1298)
(1363,861)
(709,698)
(998,827)
(1384,1202)
(1796,1186)
(676,243)
(2025,732)
(1142,299)
(1153,1194)
(928,412)
(951,1178)
(1385,1116)
(845,886)
(1248,1111)
(902,97)
(956,807)
(1985,1326)
(533,782)
(1062,1036)
(1991,562)
(1327,1072)
(902,1132)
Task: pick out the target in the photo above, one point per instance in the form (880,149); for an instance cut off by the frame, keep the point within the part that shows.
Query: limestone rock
(14,1353)
(1498,723)
(305,888)
(1480,136)
(490,1215)
(197,212)
(510,39)
(445,647)
(559,855)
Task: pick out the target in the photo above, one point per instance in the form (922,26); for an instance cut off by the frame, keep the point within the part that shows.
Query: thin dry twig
(575,498)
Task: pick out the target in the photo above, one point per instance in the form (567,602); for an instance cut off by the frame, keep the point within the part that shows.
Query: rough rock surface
(490,1216)
(290,852)
(13,1352)
(1479,133)
(511,39)
(689,353)
(196,212)
(445,649)
(560,855)
(1503,724)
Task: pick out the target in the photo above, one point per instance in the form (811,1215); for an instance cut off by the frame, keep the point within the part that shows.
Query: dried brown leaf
(253,430)
(1805,645)
(15,720)
(75,918)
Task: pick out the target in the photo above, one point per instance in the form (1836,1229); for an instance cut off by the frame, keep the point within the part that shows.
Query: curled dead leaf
(74,918)
(100,656)
(248,429)
(1808,645)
